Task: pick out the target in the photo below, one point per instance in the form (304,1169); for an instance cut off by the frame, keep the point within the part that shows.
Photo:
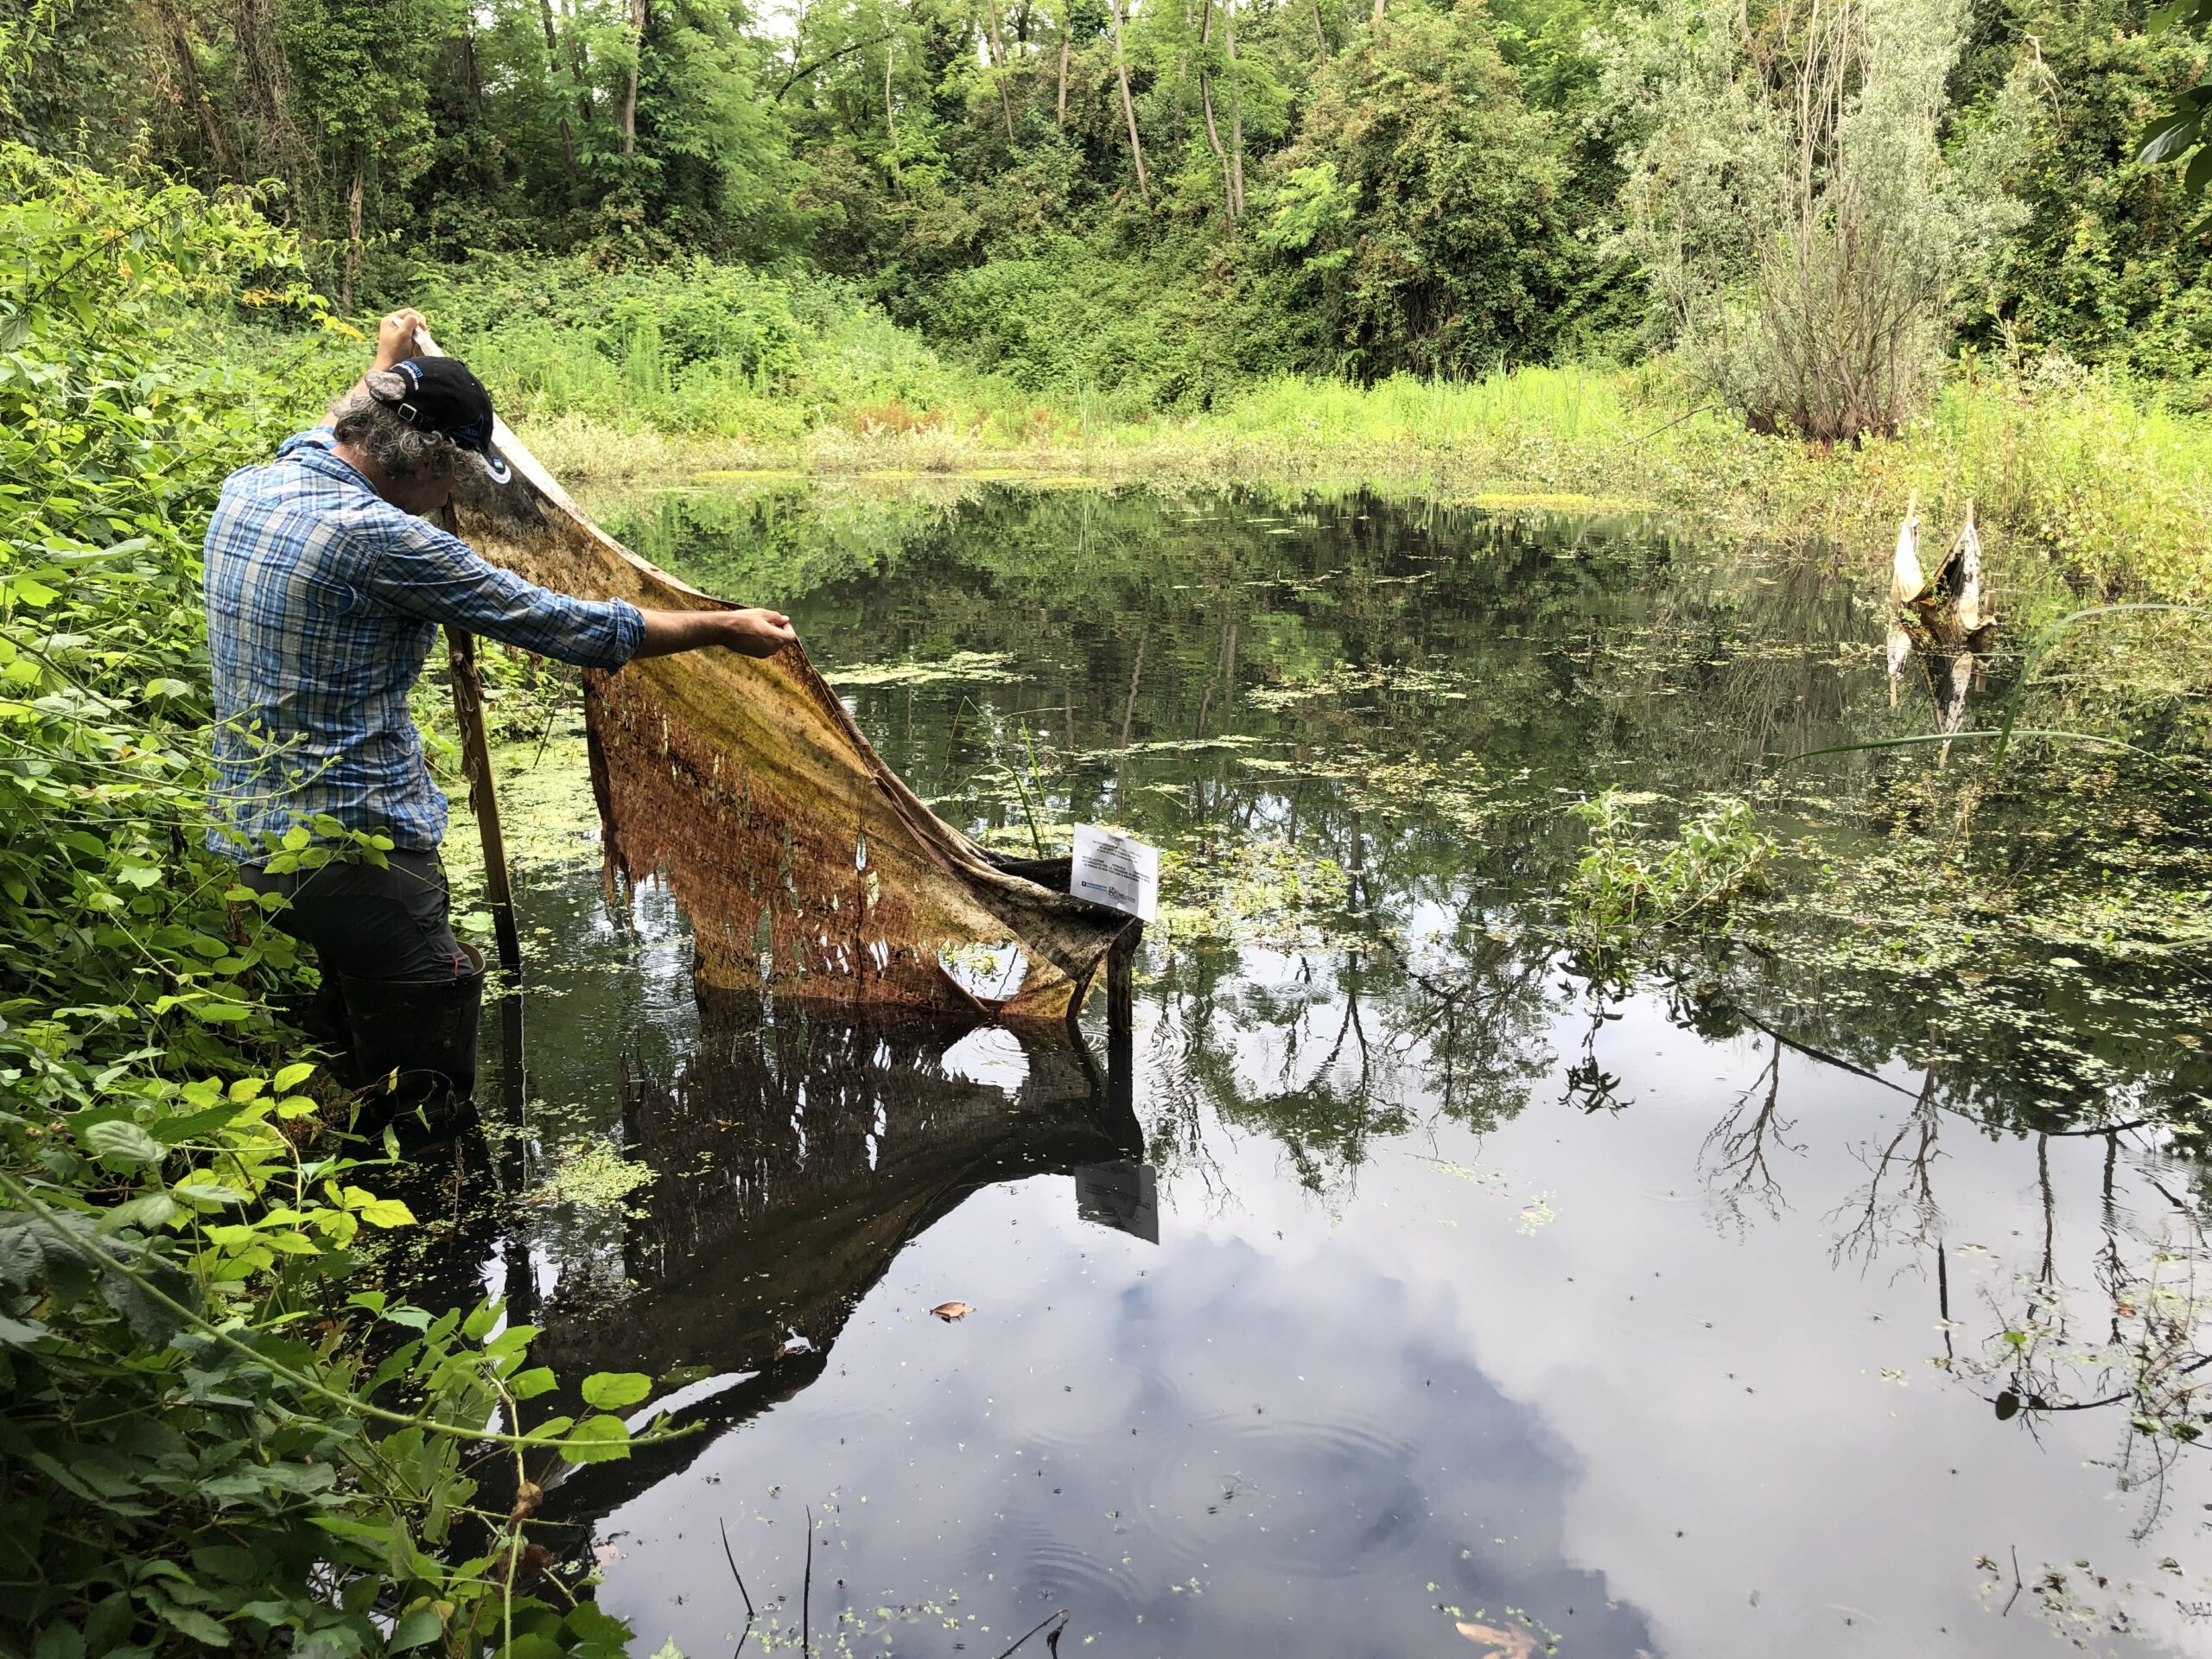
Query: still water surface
(1425,1286)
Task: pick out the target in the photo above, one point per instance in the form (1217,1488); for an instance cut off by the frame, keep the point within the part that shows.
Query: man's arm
(395,344)
(755,633)
(513,611)
(423,571)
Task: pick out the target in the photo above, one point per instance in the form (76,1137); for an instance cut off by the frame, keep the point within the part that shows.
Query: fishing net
(806,868)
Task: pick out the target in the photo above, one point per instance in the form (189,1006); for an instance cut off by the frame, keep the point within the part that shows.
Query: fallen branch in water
(1051,1641)
(2004,736)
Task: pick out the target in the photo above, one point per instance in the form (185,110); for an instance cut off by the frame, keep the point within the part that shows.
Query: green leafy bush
(1627,884)
(2109,267)
(1421,201)
(197,1448)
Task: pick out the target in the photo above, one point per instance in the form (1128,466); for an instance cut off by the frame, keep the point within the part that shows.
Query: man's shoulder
(312,441)
(302,505)
(304,478)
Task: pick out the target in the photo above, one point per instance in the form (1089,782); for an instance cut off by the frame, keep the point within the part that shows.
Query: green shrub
(196,1450)
(1627,883)
(1420,202)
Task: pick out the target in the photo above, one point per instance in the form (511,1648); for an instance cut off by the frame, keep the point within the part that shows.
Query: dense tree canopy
(1162,196)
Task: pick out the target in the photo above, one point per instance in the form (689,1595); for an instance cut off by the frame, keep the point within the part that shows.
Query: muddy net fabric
(807,869)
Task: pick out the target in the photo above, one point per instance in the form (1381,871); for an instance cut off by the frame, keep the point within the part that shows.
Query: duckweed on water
(1267,893)
(593,1173)
(962,667)
(1344,680)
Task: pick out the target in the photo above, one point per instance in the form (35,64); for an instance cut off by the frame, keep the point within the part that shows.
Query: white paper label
(1116,870)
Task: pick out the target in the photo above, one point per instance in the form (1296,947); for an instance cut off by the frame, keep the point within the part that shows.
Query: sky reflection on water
(1482,1294)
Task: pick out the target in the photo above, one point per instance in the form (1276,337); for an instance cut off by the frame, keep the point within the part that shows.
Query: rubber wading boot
(414,1045)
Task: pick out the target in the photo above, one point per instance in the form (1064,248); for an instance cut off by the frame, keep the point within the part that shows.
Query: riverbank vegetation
(216,1431)
(1787,268)
(2096,477)
(1779,271)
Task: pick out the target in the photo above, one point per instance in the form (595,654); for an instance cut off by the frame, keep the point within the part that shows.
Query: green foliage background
(214,1434)
(1325,191)
(1271,228)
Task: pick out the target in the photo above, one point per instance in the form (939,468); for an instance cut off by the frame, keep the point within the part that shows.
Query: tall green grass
(2077,480)
(1577,405)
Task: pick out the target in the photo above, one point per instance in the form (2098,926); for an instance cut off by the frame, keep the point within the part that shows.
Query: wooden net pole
(483,800)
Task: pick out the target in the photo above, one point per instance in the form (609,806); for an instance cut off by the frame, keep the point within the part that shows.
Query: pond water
(1427,1282)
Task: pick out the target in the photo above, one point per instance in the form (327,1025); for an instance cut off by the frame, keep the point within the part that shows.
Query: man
(325,589)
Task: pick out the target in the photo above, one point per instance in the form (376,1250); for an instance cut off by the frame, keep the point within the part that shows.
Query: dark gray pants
(367,923)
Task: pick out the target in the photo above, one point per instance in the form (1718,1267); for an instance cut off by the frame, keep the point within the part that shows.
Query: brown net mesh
(808,869)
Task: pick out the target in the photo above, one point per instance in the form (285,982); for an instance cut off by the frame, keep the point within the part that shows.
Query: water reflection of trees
(1326,1051)
(1561,656)
(2131,1342)
(787,1161)
(791,1159)
(1738,1152)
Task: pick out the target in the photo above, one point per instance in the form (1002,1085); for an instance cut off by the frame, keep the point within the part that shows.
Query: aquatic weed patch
(962,668)
(1264,892)
(1628,882)
(592,1173)
(1347,681)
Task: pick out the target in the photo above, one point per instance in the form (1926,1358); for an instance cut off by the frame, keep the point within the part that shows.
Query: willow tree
(1803,231)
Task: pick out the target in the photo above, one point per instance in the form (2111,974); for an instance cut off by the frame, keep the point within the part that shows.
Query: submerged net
(807,869)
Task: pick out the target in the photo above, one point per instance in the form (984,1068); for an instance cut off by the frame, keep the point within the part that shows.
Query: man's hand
(758,632)
(396,339)
(753,632)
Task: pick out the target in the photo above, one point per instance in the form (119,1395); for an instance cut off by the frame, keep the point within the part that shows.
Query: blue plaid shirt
(323,602)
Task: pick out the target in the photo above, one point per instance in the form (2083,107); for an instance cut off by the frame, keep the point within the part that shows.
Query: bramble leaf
(597,1439)
(118,1141)
(612,1390)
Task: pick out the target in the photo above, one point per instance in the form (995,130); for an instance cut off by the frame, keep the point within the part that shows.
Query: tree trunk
(995,48)
(352,267)
(890,119)
(577,65)
(264,101)
(552,70)
(468,68)
(1213,132)
(1321,35)
(1378,10)
(1220,156)
(489,155)
(630,88)
(1128,103)
(1235,106)
(1067,43)
(193,92)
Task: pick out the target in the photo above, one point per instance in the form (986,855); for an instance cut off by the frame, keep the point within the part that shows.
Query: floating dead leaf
(1907,581)
(951,1311)
(1511,1644)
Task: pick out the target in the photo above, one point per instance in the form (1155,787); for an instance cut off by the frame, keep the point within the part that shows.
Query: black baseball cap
(442,396)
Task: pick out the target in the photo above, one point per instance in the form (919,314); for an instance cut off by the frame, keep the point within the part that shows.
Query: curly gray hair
(361,420)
